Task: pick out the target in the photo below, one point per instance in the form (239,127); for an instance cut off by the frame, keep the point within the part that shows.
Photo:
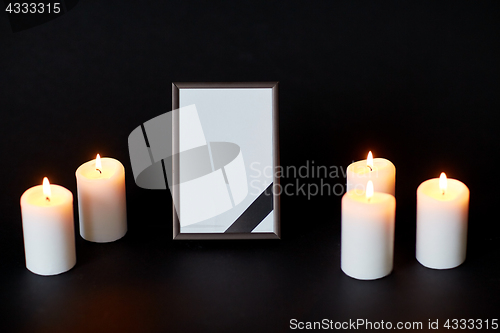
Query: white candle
(367,235)
(442,218)
(379,170)
(101,200)
(48,230)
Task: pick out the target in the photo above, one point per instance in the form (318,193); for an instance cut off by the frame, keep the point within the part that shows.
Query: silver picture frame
(250,105)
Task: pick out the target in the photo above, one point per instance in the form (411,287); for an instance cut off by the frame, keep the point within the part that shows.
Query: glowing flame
(46,188)
(369,161)
(369,190)
(98,165)
(443,182)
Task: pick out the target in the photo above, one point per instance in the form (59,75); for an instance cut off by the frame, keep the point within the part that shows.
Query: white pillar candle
(367,235)
(101,200)
(48,230)
(442,218)
(379,170)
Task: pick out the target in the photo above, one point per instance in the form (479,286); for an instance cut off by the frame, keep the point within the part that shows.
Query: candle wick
(370,168)
(47,198)
(99,171)
(443,192)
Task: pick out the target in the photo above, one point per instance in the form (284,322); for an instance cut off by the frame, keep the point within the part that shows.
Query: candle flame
(46,188)
(369,190)
(369,161)
(443,182)
(98,165)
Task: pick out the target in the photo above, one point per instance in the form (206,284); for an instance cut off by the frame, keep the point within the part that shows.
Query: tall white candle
(379,170)
(48,230)
(101,200)
(442,219)
(367,235)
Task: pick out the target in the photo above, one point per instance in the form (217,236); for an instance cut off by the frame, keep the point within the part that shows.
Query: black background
(415,82)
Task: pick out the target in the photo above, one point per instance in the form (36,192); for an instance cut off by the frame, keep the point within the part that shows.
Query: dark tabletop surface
(415,82)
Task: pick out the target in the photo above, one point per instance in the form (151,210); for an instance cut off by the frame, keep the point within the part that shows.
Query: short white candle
(101,200)
(379,170)
(367,235)
(48,230)
(442,219)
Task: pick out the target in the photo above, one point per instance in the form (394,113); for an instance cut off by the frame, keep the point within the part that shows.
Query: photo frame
(224,162)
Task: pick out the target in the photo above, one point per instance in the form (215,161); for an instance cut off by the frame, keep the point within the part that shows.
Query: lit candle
(48,230)
(101,200)
(379,170)
(367,235)
(442,218)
